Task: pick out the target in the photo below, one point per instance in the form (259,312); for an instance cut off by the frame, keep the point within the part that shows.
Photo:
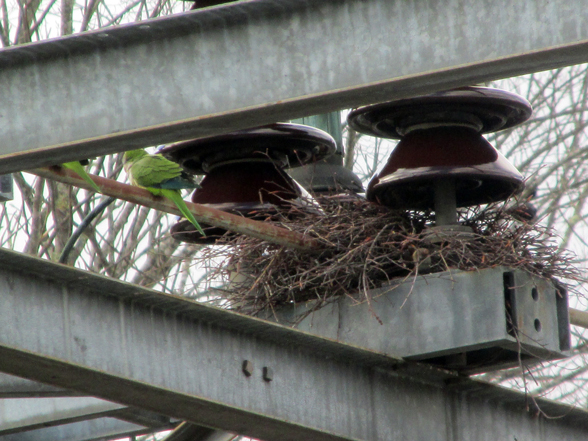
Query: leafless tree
(133,243)
(551,149)
(125,241)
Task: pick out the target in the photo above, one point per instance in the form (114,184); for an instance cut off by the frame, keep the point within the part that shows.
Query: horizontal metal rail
(250,63)
(175,357)
(579,318)
(105,428)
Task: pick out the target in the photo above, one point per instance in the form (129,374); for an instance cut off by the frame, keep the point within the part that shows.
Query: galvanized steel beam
(453,319)
(254,62)
(79,418)
(23,414)
(190,432)
(19,415)
(176,357)
(96,429)
(145,418)
(15,387)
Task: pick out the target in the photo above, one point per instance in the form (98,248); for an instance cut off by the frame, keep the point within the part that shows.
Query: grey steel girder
(20,415)
(189,432)
(15,387)
(95,429)
(255,62)
(23,414)
(453,319)
(175,357)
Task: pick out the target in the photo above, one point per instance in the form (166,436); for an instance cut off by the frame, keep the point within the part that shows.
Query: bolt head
(247,368)
(268,373)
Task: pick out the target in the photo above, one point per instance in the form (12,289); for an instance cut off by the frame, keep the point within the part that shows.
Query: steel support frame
(15,387)
(21,414)
(94,429)
(454,319)
(176,357)
(305,57)
(34,411)
(255,62)
(73,418)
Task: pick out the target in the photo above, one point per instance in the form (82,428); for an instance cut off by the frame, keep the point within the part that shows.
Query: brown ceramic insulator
(244,171)
(287,145)
(246,182)
(251,189)
(422,157)
(487,109)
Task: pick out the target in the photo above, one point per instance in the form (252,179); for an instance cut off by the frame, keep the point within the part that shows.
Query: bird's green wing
(176,197)
(150,172)
(77,167)
(153,170)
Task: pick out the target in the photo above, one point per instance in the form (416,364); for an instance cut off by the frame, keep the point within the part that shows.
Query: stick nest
(366,246)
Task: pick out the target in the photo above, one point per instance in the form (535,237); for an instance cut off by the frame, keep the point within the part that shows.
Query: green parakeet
(79,169)
(161,177)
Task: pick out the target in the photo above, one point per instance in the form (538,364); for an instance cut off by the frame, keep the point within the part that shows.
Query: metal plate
(458,320)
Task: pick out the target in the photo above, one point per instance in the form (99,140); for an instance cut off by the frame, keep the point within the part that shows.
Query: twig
(371,246)
(261,230)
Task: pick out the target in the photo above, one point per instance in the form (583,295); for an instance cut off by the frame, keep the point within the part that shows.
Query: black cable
(82,226)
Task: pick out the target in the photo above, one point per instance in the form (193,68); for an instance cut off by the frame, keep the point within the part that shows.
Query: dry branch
(261,230)
(367,246)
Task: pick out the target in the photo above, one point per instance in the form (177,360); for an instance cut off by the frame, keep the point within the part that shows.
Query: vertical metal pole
(328,175)
(445,202)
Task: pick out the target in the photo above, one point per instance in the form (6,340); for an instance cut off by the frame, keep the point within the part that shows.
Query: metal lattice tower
(305,58)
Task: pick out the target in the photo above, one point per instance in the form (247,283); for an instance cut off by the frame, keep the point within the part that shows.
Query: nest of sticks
(366,246)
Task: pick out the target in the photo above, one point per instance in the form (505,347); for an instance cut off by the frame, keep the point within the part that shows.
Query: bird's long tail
(77,167)
(176,197)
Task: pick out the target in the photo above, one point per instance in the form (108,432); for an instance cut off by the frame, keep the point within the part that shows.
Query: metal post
(445,202)
(328,175)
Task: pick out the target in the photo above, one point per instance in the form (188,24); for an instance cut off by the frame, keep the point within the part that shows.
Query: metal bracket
(468,321)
